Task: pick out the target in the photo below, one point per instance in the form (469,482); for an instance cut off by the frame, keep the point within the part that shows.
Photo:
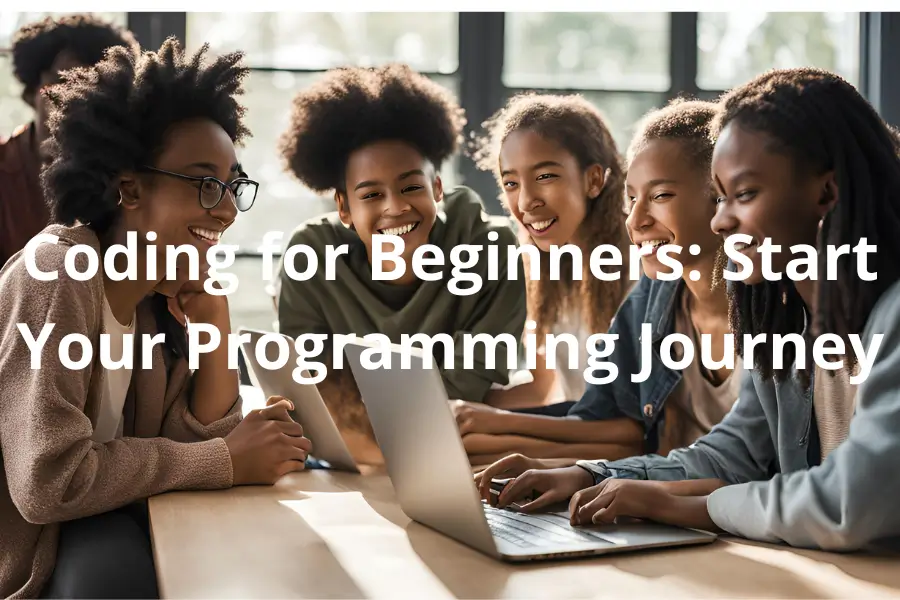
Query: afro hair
(36,45)
(683,120)
(112,117)
(352,107)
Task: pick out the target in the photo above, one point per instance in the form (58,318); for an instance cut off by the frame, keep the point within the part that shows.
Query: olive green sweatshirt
(354,303)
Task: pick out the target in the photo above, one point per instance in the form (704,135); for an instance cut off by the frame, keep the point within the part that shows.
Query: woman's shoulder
(44,273)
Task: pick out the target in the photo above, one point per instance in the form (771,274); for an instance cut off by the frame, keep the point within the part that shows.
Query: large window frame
(481,55)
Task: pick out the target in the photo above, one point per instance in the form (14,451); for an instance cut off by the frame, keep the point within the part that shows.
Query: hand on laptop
(616,498)
(267,444)
(537,489)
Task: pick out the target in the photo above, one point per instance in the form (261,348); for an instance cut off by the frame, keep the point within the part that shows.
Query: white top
(109,420)
(569,383)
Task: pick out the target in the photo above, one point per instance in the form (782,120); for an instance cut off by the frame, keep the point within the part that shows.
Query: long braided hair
(823,124)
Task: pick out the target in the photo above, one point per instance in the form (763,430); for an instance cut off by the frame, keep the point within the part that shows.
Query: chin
(544,245)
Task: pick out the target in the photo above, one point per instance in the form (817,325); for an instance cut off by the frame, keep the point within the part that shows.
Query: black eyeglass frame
(222,186)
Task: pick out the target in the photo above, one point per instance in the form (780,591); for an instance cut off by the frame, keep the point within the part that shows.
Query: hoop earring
(121,198)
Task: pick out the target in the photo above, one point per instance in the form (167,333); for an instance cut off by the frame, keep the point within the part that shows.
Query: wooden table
(323,534)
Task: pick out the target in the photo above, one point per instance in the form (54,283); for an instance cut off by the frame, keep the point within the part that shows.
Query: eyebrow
(409,174)
(540,165)
(661,182)
(743,175)
(401,177)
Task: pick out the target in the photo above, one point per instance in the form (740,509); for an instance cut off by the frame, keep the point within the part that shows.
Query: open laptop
(427,463)
(328,445)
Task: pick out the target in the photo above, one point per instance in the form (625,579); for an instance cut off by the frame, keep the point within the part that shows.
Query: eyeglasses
(212,190)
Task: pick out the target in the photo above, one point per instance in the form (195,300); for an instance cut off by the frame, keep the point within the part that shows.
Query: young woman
(40,51)
(669,200)
(376,139)
(561,179)
(800,158)
(139,143)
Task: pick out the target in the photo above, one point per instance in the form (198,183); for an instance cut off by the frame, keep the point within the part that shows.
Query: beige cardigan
(52,471)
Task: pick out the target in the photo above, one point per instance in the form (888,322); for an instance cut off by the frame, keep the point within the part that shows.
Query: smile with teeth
(401,230)
(651,246)
(207,236)
(541,226)
(741,246)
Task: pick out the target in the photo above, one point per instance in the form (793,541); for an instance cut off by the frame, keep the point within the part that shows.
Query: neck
(124,296)
(706,301)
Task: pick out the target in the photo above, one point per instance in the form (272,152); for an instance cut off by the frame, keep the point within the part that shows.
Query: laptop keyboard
(534,530)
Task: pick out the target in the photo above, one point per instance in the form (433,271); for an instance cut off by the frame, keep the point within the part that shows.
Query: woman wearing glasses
(146,144)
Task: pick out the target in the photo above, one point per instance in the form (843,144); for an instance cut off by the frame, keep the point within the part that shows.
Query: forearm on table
(614,431)
(685,511)
(486,445)
(692,487)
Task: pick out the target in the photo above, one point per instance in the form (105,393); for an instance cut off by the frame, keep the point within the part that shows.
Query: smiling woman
(376,139)
(84,442)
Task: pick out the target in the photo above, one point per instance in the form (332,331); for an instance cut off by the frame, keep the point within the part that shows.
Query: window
(611,51)
(286,53)
(320,41)
(735,47)
(618,61)
(13,110)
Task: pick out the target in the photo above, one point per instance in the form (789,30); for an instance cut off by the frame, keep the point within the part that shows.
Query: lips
(400,230)
(649,247)
(743,247)
(210,237)
(540,227)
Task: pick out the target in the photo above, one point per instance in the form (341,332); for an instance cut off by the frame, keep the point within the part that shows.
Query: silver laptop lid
(309,407)
(423,452)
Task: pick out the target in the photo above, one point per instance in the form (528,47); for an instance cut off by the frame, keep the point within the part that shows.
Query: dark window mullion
(481,91)
(152,28)
(683,54)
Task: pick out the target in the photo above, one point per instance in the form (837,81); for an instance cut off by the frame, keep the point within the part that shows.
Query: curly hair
(112,117)
(683,120)
(576,125)
(351,107)
(823,124)
(687,122)
(36,45)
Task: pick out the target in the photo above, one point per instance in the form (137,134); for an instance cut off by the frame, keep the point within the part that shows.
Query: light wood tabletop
(323,534)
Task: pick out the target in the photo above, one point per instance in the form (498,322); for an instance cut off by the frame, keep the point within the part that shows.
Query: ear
(828,197)
(596,177)
(343,208)
(129,191)
(438,187)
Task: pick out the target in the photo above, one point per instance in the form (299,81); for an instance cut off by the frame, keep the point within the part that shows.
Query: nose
(724,221)
(528,199)
(395,204)
(639,218)
(226,210)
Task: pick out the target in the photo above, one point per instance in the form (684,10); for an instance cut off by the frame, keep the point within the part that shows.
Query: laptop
(329,447)
(428,466)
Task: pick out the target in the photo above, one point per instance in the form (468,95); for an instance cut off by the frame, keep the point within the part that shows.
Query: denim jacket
(654,302)
(766,450)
